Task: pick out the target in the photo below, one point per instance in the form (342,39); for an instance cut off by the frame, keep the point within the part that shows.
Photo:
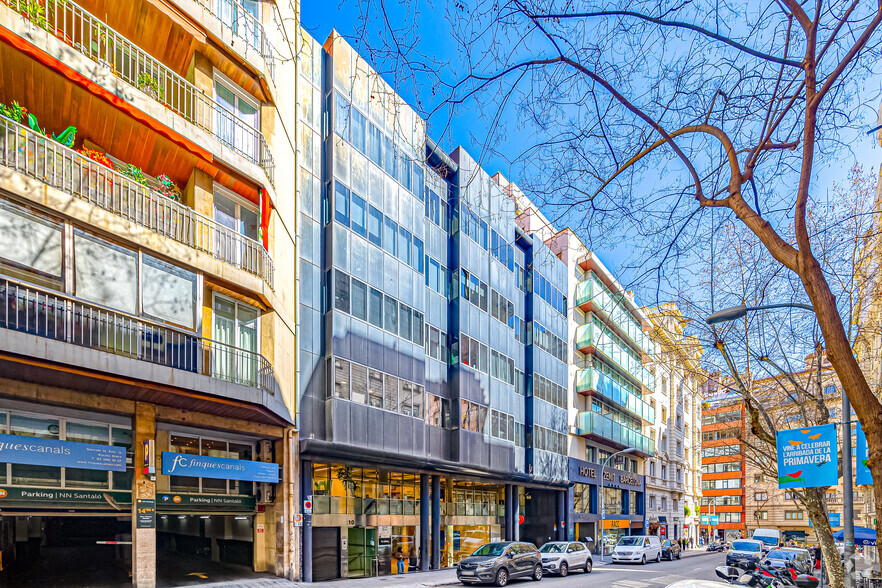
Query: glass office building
(433,342)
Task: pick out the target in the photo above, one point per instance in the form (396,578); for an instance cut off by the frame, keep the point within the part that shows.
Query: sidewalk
(412,580)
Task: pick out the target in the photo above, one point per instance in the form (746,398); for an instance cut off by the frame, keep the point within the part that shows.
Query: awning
(862,536)
(663,519)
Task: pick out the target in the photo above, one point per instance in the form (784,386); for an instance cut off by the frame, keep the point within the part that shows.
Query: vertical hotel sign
(807,457)
(863,476)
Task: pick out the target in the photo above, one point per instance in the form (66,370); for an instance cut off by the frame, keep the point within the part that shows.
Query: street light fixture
(736,312)
(602,480)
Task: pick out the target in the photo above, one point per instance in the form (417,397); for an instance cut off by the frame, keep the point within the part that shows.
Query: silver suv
(562,557)
(498,563)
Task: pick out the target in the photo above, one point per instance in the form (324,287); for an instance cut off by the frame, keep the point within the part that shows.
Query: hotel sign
(200,466)
(70,454)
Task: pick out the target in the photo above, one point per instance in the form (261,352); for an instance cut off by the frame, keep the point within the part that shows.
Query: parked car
(562,557)
(778,558)
(804,561)
(497,563)
(637,549)
(744,550)
(670,549)
(770,538)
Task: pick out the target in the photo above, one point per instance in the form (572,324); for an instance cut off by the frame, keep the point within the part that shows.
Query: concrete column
(425,507)
(509,513)
(561,515)
(436,523)
(306,490)
(516,513)
(143,540)
(568,515)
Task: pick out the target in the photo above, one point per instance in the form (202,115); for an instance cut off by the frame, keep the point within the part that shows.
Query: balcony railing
(232,15)
(592,379)
(43,159)
(593,290)
(592,423)
(93,38)
(600,336)
(56,316)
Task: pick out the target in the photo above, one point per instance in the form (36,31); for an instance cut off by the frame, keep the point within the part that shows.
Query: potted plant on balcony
(168,188)
(14,112)
(97,156)
(148,84)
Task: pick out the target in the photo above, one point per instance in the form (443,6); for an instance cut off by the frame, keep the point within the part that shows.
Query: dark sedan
(670,549)
(497,563)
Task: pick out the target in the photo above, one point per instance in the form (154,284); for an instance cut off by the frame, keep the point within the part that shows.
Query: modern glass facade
(433,335)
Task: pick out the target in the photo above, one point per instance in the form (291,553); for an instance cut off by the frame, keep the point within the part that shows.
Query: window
(359,215)
(390,311)
(209,447)
(789,496)
(240,216)
(375,308)
(105,273)
(390,236)
(341,204)
(375,227)
(761,515)
(664,415)
(830,389)
(236,105)
(792,515)
(758,478)
(341,379)
(358,297)
(236,336)
(30,246)
(341,291)
(759,496)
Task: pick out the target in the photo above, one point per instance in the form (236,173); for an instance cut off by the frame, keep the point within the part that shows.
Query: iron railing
(90,36)
(56,316)
(232,15)
(41,158)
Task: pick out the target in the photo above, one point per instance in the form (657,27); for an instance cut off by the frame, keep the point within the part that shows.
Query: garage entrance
(63,551)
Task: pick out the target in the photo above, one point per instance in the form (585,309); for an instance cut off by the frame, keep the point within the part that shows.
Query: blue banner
(69,454)
(201,466)
(715,519)
(835,519)
(807,457)
(703,520)
(862,471)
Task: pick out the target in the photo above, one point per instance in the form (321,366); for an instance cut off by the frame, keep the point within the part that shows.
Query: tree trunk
(815,504)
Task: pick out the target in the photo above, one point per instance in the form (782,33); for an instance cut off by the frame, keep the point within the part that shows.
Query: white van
(770,538)
(637,549)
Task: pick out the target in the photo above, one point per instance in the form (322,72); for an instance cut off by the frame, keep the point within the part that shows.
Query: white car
(562,557)
(637,549)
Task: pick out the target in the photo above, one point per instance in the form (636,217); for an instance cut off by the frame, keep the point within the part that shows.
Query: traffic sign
(662,531)
(307,506)
(298,520)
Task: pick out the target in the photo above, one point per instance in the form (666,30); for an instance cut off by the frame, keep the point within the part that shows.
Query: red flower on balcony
(96,155)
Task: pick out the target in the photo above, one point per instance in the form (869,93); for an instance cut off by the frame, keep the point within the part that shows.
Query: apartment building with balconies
(147,192)
(672,494)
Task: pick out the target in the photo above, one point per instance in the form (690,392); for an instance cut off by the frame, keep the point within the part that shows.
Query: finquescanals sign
(807,457)
(202,466)
(69,454)
(862,471)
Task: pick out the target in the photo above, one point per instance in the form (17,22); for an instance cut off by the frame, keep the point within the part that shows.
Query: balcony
(592,295)
(595,336)
(233,17)
(593,381)
(112,52)
(592,424)
(47,161)
(52,315)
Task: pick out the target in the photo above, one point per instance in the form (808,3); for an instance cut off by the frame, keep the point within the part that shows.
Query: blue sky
(468,128)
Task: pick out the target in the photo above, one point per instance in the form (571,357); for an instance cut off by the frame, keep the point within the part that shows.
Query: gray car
(563,557)
(497,563)
(804,562)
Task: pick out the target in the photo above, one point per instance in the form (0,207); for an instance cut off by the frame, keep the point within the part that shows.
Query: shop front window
(208,447)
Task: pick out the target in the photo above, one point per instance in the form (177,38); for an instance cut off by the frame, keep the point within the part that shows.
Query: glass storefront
(385,509)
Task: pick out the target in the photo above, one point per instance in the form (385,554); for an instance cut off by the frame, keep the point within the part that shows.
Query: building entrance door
(362,551)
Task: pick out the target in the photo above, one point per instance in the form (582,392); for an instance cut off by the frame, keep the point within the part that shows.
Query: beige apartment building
(673,474)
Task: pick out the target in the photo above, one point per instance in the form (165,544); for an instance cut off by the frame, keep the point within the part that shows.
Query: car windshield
(781,555)
(767,539)
(492,549)
(746,546)
(631,541)
(553,548)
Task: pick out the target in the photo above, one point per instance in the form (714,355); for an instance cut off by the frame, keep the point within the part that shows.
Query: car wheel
(564,569)
(589,565)
(537,572)
(679,555)
(643,560)
(502,577)
(658,557)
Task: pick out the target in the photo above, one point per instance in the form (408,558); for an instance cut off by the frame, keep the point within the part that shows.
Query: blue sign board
(202,466)
(69,454)
(715,519)
(703,520)
(835,519)
(862,473)
(808,457)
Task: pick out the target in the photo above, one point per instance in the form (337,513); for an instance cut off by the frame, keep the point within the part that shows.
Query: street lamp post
(736,312)
(602,480)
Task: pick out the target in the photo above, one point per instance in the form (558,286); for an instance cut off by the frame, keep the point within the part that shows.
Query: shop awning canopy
(862,536)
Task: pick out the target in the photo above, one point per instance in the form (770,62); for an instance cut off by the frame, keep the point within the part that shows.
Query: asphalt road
(652,575)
